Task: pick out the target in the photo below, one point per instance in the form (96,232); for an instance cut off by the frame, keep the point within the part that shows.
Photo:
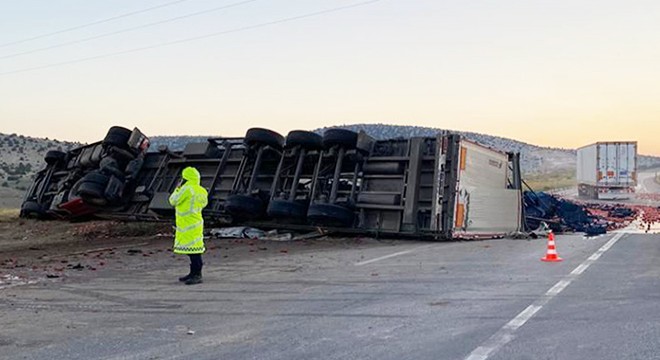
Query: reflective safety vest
(189,200)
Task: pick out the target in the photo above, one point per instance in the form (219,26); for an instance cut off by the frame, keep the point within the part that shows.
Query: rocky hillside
(22,156)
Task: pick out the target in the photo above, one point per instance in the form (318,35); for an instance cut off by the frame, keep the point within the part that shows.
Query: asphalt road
(393,300)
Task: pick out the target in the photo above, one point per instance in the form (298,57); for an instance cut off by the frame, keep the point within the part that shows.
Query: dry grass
(8,215)
(551,181)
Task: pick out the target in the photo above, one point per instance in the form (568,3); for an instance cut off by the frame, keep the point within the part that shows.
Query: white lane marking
(505,334)
(580,269)
(559,287)
(391,255)
(522,318)
(594,257)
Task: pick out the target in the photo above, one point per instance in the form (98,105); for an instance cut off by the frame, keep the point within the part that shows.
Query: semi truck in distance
(607,170)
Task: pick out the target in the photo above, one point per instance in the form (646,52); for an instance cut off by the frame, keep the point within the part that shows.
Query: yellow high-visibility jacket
(189,200)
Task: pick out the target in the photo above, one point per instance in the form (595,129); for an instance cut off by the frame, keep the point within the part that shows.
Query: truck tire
(259,136)
(54,157)
(32,210)
(305,139)
(117,136)
(244,207)
(92,188)
(289,210)
(341,137)
(330,215)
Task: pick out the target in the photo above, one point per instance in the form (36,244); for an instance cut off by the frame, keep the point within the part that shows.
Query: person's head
(191,174)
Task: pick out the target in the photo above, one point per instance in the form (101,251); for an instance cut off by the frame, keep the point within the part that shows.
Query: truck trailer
(607,170)
(440,187)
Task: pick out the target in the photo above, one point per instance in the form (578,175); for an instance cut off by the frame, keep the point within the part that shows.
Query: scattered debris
(244,232)
(563,215)
(274,235)
(237,232)
(650,215)
(648,196)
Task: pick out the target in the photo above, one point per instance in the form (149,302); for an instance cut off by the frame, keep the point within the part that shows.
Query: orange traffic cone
(551,254)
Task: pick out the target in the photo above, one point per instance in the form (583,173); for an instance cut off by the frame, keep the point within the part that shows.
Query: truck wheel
(92,188)
(344,138)
(305,139)
(244,207)
(330,215)
(285,209)
(117,136)
(261,136)
(32,210)
(54,156)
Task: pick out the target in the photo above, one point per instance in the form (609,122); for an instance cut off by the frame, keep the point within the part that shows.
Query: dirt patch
(56,236)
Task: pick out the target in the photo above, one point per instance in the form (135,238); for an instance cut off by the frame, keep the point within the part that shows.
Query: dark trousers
(196,264)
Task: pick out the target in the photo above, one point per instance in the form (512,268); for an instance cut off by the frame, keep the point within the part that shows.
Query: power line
(197,13)
(93,23)
(169,43)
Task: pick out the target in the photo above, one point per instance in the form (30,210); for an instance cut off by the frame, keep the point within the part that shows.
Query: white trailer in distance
(607,170)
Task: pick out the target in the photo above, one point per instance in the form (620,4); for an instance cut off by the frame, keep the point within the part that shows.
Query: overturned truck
(442,187)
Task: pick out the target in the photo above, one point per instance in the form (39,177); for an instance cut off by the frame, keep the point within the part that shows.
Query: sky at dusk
(551,73)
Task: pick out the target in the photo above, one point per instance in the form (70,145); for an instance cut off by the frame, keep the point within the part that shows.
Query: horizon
(558,75)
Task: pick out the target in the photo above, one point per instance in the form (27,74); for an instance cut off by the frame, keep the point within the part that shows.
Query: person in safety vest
(189,198)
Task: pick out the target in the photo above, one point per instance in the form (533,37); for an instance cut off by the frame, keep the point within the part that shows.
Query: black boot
(195,279)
